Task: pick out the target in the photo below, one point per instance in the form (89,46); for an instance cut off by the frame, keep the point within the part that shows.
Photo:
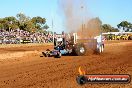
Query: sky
(109,11)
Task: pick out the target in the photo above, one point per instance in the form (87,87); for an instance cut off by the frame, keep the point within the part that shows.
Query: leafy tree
(124,25)
(23,22)
(22,17)
(45,27)
(28,26)
(106,28)
(109,28)
(129,27)
(38,22)
(114,29)
(10,19)
(1,24)
(8,23)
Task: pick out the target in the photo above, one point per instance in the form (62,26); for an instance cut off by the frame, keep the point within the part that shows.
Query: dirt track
(33,71)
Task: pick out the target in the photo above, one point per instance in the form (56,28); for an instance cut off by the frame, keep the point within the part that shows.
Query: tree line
(124,25)
(23,22)
(38,23)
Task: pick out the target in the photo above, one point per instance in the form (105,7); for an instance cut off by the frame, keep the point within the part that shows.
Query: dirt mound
(15,55)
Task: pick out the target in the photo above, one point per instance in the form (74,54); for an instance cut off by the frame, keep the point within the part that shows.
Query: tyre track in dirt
(61,73)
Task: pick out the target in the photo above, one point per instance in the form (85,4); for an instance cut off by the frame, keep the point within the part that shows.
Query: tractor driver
(60,46)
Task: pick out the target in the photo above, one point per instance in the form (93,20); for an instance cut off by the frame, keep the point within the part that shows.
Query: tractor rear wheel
(80,49)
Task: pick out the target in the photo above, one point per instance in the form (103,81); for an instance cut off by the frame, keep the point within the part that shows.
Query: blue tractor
(70,44)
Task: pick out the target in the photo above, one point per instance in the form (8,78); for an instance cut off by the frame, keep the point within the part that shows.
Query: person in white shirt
(100,43)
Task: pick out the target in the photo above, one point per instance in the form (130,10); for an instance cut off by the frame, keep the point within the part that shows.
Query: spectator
(15,36)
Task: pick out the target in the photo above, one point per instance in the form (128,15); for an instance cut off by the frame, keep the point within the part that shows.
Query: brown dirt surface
(32,71)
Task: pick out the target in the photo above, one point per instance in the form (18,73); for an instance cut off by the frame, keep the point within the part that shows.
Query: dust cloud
(78,18)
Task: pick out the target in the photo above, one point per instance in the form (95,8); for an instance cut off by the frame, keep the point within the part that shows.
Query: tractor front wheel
(58,55)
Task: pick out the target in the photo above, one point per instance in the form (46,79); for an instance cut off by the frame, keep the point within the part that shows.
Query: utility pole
(53,30)
(52,24)
(82,8)
(82,18)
